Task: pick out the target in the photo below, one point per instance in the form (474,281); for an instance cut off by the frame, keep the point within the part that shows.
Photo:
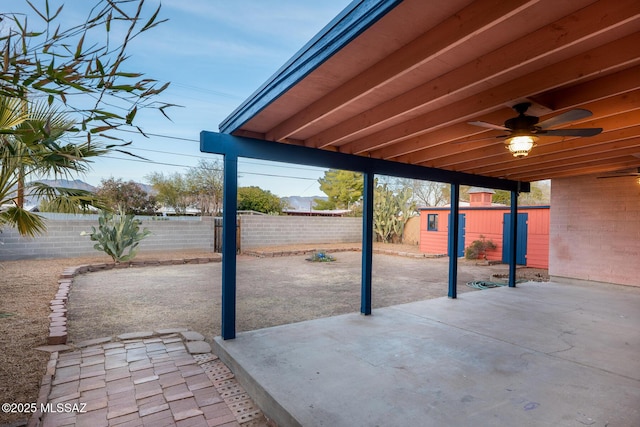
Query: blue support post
(453,241)
(367,243)
(513,231)
(229,246)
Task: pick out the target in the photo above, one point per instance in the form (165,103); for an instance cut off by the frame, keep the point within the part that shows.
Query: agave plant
(117,234)
(30,148)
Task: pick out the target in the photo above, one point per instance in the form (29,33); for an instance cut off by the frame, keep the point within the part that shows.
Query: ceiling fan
(525,130)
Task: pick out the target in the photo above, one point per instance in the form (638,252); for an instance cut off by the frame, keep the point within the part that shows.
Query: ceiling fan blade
(488,125)
(570,132)
(566,117)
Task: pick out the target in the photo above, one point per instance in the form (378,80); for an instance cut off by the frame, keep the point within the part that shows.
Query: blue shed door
(521,232)
(461,225)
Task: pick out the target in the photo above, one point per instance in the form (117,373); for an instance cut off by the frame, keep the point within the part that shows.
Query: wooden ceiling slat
(578,160)
(602,87)
(595,167)
(622,141)
(472,77)
(478,158)
(475,18)
(472,60)
(409,151)
(616,105)
(574,69)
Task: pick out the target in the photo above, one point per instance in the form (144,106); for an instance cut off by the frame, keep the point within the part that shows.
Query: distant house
(481,217)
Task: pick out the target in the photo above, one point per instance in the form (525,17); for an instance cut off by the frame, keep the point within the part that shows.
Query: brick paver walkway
(152,381)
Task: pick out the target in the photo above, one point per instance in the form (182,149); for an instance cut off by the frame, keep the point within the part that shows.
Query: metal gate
(217,234)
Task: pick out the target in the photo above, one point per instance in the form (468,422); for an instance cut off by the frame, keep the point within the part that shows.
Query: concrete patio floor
(541,354)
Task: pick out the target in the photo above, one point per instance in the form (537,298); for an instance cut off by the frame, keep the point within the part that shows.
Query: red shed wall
(489,223)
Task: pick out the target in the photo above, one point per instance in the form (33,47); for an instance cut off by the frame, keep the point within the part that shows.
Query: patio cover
(391,85)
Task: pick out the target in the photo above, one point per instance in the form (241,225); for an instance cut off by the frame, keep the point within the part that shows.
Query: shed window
(432,222)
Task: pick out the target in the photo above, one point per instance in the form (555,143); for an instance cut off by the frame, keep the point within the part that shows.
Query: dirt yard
(26,287)
(271,291)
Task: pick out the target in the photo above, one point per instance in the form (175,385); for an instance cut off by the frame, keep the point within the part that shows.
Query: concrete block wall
(595,230)
(63,239)
(260,231)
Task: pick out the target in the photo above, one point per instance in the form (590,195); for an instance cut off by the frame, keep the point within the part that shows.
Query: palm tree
(30,135)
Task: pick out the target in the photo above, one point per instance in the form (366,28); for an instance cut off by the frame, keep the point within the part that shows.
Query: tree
(430,193)
(259,200)
(86,59)
(171,190)
(126,196)
(204,183)
(540,194)
(53,64)
(342,187)
(30,147)
(201,187)
(424,193)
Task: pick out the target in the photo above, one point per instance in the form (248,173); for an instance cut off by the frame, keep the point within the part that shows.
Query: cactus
(391,212)
(116,234)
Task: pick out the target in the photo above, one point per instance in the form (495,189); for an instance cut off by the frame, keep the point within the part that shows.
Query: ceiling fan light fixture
(520,145)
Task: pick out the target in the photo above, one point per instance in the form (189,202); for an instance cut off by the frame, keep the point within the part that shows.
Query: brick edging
(58,305)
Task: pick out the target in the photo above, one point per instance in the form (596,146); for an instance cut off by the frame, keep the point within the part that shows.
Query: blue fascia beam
(221,143)
(356,18)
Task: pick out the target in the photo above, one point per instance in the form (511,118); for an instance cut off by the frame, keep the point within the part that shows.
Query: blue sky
(215,53)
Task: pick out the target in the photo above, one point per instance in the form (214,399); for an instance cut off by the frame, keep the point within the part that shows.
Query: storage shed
(481,217)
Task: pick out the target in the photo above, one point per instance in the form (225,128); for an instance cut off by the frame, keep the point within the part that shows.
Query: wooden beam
(614,152)
(591,169)
(472,77)
(593,90)
(479,16)
(403,150)
(622,127)
(575,69)
(618,88)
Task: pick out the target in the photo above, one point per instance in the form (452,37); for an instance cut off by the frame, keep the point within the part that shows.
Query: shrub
(116,234)
(321,257)
(479,248)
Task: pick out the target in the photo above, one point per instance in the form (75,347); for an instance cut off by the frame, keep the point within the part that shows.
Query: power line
(210,169)
(246,161)
(250,161)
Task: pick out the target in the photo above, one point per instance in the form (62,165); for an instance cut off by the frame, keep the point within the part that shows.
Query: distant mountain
(81,185)
(300,203)
(65,183)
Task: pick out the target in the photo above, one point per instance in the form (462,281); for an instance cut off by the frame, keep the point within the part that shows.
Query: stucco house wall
(595,230)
